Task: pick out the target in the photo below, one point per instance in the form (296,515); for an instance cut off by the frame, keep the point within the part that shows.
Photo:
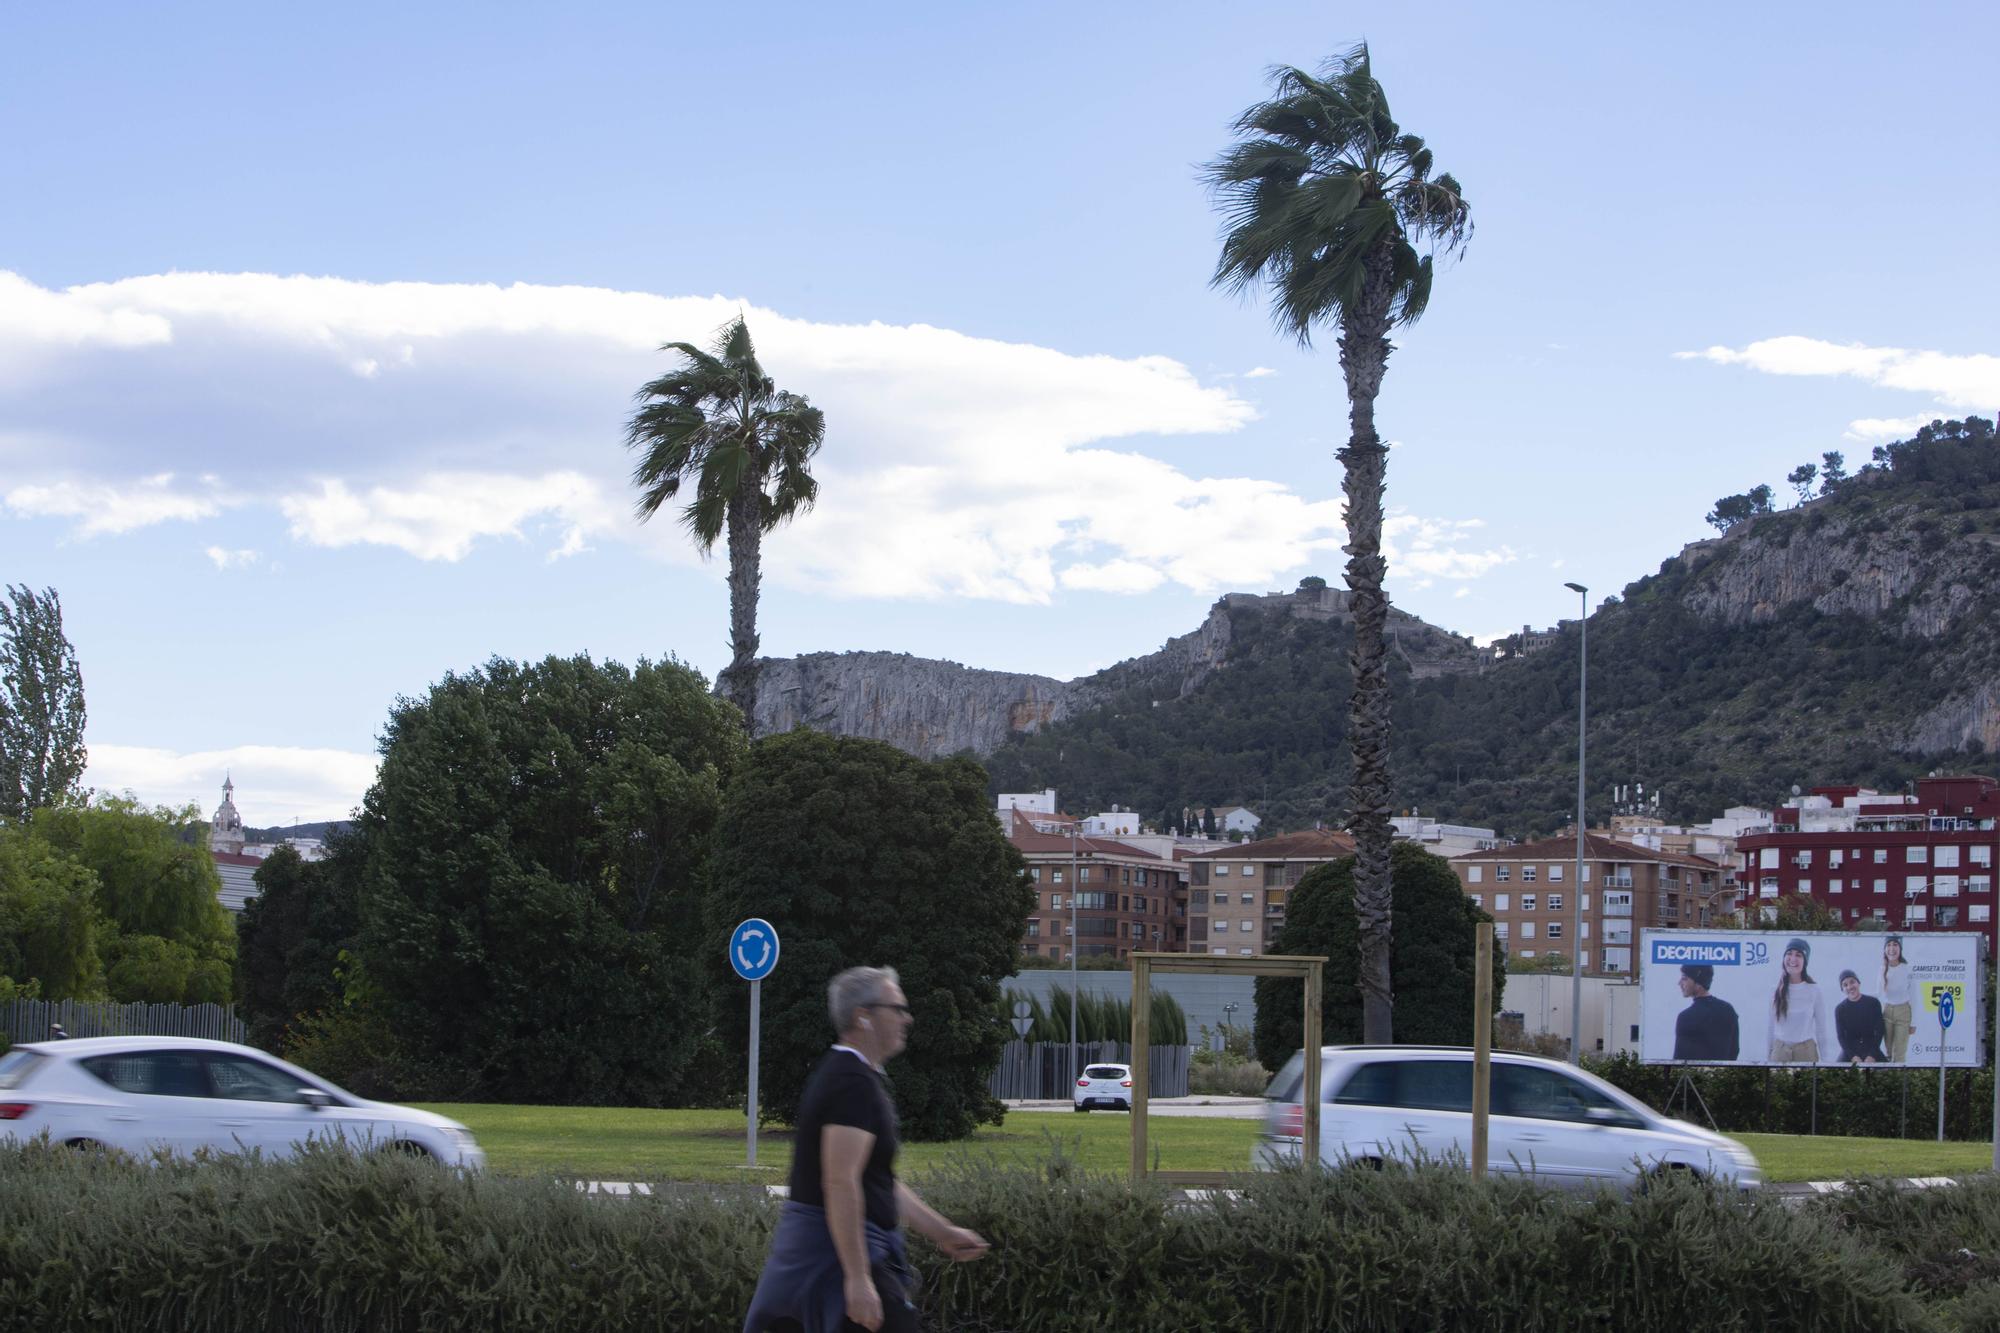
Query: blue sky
(317,329)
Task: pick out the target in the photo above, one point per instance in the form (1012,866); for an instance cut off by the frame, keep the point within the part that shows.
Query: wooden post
(1142,1057)
(1310,1090)
(1482,1046)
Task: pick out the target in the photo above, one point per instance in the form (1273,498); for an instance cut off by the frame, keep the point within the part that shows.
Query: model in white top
(1801,1017)
(1896,1012)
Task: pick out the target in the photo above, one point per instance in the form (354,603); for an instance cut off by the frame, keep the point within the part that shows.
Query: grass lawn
(616,1143)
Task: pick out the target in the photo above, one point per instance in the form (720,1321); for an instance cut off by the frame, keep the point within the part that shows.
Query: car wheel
(1081,1109)
(1666,1172)
(404,1148)
(86,1146)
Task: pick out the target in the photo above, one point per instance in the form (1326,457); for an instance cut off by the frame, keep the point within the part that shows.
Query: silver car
(179,1094)
(1549,1121)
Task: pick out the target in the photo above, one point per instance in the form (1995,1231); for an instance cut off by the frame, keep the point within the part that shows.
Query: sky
(319,327)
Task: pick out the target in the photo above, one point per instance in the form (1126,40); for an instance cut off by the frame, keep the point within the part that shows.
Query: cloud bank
(1957,382)
(274,784)
(437,418)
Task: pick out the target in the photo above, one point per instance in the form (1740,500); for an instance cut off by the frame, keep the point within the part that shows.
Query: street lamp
(1576,919)
(1229,1022)
(1072,954)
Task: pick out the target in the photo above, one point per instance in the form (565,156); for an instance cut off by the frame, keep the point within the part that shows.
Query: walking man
(837,1261)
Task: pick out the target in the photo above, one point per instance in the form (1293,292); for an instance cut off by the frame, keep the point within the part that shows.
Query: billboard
(1763,997)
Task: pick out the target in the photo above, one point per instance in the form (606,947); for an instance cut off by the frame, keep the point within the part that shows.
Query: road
(1213,1108)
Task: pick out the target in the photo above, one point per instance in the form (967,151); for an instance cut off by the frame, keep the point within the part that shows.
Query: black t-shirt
(1706,1030)
(846,1090)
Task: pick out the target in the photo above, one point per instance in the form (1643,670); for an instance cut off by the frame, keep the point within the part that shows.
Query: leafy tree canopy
(534,850)
(1431,957)
(49,922)
(291,936)
(41,705)
(861,855)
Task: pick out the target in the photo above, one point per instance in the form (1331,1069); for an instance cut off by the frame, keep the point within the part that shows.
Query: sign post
(753,952)
(1947,1010)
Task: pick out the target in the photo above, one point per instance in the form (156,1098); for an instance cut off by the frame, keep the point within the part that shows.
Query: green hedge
(1865,1102)
(330,1242)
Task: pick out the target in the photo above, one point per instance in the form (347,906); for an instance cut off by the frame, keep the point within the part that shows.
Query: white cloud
(443,414)
(1871,430)
(1258,372)
(227,559)
(114,507)
(274,784)
(1462,592)
(1433,548)
(1955,380)
(440,516)
(30,315)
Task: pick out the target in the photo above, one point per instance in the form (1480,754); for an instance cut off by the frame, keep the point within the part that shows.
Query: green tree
(719,422)
(42,755)
(167,937)
(291,937)
(534,848)
(1553,964)
(1327,203)
(1802,479)
(1729,511)
(1832,471)
(1434,957)
(862,855)
(49,923)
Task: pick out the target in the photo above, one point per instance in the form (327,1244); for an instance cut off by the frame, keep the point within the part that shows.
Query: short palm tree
(717,424)
(1326,204)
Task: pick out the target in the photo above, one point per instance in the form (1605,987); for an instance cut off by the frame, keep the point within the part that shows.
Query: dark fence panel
(1039,1071)
(30,1020)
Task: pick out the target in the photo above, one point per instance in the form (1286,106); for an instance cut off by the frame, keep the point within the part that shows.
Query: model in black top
(1858,1024)
(1706,1029)
(838,1246)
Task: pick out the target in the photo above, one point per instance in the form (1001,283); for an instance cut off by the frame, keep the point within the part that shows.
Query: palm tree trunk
(1364,356)
(746,554)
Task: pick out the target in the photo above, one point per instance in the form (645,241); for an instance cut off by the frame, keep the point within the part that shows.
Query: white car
(1547,1120)
(144,1094)
(1109,1086)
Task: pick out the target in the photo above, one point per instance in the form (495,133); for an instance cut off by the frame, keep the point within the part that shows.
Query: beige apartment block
(1236,895)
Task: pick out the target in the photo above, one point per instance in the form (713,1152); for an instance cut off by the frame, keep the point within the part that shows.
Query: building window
(1981,856)
(1880,914)
(1881,856)
(1916,854)
(1475,874)
(1527,953)
(1767,858)
(1500,902)
(1833,886)
(1055,901)
(1833,859)
(1503,873)
(1083,875)
(1584,878)
(1586,931)
(1946,858)
(1248,926)
(1555,902)
(1527,874)
(1055,877)
(1979,912)
(1034,928)
(1945,886)
(1500,930)
(1222,927)
(1555,874)
(1881,886)
(1222,870)
(1220,951)
(1979,883)
(1914,884)
(1528,902)
(1803,858)
(1916,913)
(1583,899)
(1035,874)
(1479,900)
(1947,917)
(1244,951)
(1249,900)
(1527,930)
(1555,930)
(1198,899)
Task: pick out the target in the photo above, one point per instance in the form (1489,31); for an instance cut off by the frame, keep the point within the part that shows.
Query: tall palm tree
(716,422)
(1326,203)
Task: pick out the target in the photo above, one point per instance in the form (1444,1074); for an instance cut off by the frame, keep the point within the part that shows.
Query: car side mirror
(1602,1116)
(316,1099)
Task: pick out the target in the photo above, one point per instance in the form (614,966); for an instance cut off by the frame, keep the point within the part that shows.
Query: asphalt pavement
(1215,1108)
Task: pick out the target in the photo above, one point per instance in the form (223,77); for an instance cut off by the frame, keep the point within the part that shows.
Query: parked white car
(142,1094)
(1108,1086)
(1547,1120)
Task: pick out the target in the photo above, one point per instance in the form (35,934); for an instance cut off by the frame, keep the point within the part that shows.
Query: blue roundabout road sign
(753,949)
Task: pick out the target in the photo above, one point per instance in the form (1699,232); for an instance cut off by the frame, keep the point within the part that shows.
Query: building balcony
(1618,882)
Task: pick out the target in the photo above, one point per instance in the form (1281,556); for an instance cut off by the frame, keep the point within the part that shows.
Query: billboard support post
(1815,1101)
(1993,1003)
(1941,1032)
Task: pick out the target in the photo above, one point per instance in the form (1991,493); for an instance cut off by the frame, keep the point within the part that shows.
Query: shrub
(332,1242)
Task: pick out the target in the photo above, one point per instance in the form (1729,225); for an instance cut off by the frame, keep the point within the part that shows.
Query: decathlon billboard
(1765,997)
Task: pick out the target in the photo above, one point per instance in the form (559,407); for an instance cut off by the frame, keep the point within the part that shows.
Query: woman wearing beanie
(1896,999)
(1799,1011)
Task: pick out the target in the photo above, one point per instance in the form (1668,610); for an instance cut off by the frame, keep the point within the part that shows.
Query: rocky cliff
(932,708)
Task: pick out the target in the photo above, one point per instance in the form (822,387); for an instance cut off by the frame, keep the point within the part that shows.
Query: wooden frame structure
(1309,967)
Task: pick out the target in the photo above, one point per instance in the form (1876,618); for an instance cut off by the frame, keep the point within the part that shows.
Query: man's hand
(962,1245)
(864,1303)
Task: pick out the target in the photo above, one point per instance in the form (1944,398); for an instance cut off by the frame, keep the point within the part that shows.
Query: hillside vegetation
(1849,639)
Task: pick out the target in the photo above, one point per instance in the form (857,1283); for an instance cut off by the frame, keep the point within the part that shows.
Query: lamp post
(1576,920)
(1072,955)
(1229,1021)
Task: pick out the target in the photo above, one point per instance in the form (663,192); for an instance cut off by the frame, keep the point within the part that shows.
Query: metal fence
(1039,1071)
(30,1020)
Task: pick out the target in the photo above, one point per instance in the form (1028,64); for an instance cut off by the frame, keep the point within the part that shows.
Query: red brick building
(1123,898)
(1922,861)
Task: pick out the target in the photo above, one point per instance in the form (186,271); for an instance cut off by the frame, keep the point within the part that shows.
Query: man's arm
(957,1242)
(843,1152)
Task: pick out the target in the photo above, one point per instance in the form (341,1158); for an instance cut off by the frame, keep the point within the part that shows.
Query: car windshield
(15,1066)
(1105,1071)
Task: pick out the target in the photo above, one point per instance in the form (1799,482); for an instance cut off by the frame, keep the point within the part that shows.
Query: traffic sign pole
(1946,1011)
(756,1031)
(753,952)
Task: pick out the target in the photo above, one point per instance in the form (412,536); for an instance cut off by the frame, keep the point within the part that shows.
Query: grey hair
(853,989)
